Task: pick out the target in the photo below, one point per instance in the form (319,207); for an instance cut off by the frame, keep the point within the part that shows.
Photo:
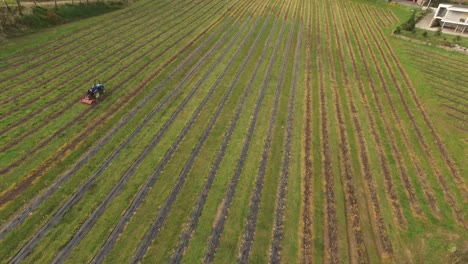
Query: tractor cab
(93,94)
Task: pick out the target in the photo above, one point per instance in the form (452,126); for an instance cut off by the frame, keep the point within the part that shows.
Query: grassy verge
(43,17)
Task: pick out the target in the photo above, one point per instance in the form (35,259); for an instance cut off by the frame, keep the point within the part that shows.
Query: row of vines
(230,131)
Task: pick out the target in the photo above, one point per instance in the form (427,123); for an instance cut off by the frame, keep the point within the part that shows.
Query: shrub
(457,39)
(438,32)
(424,34)
(410,24)
(397,30)
(41,17)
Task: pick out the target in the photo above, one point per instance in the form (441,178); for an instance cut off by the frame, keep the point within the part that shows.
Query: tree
(7,6)
(19,7)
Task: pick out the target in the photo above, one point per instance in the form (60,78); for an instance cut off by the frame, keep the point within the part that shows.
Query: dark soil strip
(278,222)
(428,192)
(89,110)
(307,239)
(330,219)
(464,113)
(450,90)
(286,13)
(89,223)
(352,209)
(256,195)
(20,217)
(217,230)
(454,101)
(197,210)
(457,118)
(439,86)
(344,164)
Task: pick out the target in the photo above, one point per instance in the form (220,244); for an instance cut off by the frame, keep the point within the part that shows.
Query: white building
(451,16)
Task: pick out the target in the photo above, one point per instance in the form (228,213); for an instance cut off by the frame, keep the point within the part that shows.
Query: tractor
(93,93)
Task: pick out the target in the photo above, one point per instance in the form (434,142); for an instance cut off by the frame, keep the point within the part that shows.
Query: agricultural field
(241,131)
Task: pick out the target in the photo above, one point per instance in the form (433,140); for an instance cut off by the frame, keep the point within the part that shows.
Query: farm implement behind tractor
(93,93)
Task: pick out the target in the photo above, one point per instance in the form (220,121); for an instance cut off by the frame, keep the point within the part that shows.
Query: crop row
(85,227)
(248,236)
(160,219)
(331,218)
(419,132)
(31,131)
(445,83)
(72,99)
(356,243)
(63,41)
(160,54)
(197,209)
(106,139)
(384,243)
(407,142)
(75,100)
(448,64)
(440,147)
(163,212)
(278,225)
(98,56)
(216,165)
(394,149)
(307,218)
(154,91)
(215,235)
(257,195)
(81,51)
(398,137)
(203,151)
(77,196)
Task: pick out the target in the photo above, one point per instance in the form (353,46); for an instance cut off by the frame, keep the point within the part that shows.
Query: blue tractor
(93,93)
